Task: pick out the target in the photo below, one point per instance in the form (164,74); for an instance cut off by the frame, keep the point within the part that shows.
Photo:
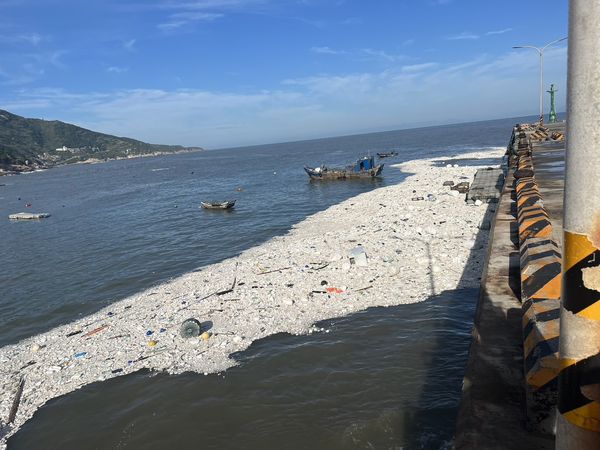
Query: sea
(385,378)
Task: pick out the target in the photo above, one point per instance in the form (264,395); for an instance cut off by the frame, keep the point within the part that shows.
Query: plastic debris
(80,355)
(149,333)
(358,257)
(334,290)
(95,331)
(205,336)
(462,187)
(152,343)
(190,328)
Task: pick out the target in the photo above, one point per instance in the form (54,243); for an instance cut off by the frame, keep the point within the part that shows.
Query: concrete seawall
(510,384)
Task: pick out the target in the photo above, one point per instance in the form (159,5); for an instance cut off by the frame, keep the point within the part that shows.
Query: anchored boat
(387,155)
(228,204)
(365,167)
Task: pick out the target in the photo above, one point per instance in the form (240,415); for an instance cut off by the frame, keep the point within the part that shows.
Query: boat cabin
(364,163)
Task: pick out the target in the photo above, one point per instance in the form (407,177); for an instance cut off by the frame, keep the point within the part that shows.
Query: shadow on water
(385,378)
(356,386)
(450,353)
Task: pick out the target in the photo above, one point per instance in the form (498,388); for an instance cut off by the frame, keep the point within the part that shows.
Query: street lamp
(541,53)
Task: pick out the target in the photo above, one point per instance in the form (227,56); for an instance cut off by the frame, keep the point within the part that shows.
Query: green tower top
(552,116)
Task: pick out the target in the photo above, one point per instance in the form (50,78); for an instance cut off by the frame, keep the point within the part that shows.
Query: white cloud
(505,30)
(381,54)
(419,67)
(184,18)
(352,21)
(186,13)
(320,105)
(462,36)
(30,38)
(114,69)
(327,51)
(129,45)
(362,54)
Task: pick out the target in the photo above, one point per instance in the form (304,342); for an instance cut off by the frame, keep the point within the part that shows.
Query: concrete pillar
(578,425)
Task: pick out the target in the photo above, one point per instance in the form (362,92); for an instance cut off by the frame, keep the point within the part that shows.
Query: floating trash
(334,290)
(358,257)
(190,328)
(80,355)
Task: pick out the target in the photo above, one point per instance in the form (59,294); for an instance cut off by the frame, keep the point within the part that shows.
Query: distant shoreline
(18,169)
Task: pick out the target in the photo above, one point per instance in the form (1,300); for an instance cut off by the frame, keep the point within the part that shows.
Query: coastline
(22,169)
(414,249)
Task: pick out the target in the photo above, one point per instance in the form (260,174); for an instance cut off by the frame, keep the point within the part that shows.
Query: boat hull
(218,205)
(342,174)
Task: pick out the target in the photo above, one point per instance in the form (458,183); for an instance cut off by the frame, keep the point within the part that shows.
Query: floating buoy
(190,328)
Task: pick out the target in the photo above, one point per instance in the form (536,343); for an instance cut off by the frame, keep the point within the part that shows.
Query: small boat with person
(364,167)
(387,154)
(227,204)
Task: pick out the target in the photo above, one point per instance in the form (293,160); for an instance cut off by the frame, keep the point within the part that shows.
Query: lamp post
(541,53)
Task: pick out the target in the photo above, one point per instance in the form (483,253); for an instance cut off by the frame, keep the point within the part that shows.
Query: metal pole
(541,87)
(541,53)
(578,423)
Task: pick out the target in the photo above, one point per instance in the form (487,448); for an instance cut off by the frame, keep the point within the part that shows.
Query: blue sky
(219,73)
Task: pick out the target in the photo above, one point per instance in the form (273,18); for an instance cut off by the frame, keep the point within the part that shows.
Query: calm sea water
(385,378)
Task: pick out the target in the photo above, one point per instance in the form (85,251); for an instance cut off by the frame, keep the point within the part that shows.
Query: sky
(222,73)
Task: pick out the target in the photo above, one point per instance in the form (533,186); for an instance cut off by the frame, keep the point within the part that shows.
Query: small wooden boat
(363,168)
(228,204)
(387,155)
(28,216)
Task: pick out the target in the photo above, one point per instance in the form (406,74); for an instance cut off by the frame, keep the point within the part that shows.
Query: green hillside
(26,144)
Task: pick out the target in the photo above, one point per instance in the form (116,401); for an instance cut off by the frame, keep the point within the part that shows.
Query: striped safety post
(578,424)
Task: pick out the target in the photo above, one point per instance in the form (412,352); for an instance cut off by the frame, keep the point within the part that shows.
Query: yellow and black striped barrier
(581,303)
(540,264)
(531,215)
(540,293)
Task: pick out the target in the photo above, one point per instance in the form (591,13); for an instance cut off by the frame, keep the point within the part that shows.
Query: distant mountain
(29,144)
